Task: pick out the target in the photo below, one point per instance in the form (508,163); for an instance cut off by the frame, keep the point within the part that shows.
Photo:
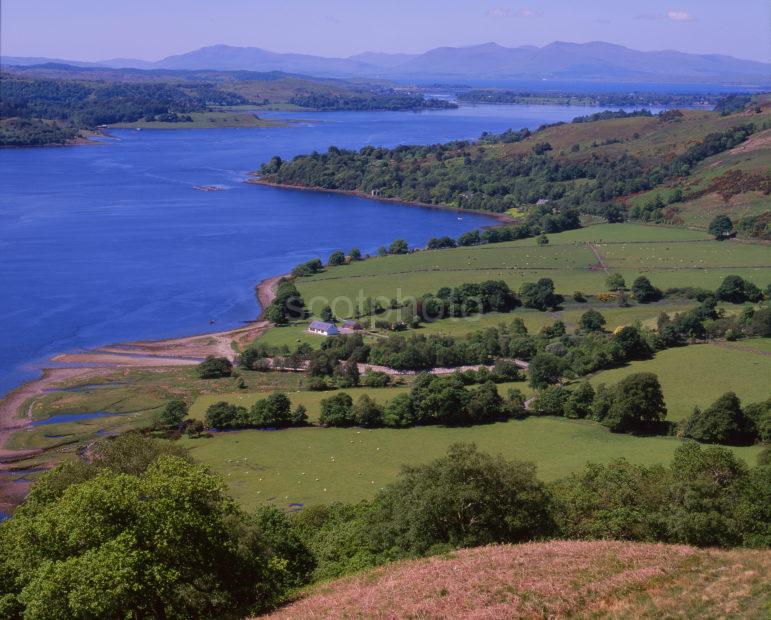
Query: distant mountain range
(596,61)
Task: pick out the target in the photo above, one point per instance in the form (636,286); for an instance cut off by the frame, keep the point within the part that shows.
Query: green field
(669,257)
(322,465)
(699,374)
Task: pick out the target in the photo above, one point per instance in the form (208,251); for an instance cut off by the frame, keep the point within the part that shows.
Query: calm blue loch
(111,242)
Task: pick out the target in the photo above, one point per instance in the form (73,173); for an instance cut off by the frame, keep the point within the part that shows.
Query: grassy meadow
(669,257)
(699,374)
(321,465)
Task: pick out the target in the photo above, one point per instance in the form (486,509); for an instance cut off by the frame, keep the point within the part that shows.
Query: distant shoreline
(502,218)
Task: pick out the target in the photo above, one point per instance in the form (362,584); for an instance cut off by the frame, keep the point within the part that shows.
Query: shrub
(375,379)
(214,367)
(317,384)
(367,412)
(171,415)
(545,369)
(615,282)
(722,422)
(223,415)
(619,501)
(336,258)
(299,416)
(464,499)
(637,404)
(337,410)
(644,292)
(592,321)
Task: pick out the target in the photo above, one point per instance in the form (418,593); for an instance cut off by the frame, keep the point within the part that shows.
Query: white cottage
(323,329)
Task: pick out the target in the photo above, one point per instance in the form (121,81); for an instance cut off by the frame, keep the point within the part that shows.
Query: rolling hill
(554,579)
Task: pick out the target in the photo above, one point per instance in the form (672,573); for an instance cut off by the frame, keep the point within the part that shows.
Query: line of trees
(385,99)
(624,100)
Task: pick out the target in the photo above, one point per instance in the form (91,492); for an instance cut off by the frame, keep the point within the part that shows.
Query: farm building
(352,325)
(323,329)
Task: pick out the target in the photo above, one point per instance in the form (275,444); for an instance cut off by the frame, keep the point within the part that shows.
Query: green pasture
(669,257)
(322,465)
(699,374)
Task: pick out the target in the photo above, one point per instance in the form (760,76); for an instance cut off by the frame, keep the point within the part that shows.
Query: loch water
(111,242)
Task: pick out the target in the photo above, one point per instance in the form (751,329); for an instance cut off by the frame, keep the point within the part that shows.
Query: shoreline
(502,218)
(182,351)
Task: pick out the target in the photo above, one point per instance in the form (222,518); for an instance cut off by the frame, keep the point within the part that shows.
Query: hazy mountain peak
(560,60)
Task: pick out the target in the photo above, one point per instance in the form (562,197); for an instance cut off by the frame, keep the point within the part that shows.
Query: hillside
(613,164)
(555,579)
(52,104)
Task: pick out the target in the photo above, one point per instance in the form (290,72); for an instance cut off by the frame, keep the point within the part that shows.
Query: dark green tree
(702,501)
(721,226)
(722,422)
(215,367)
(545,369)
(637,404)
(166,543)
(592,321)
(399,246)
(615,282)
(337,410)
(619,501)
(336,258)
(644,292)
(464,499)
(172,414)
(367,413)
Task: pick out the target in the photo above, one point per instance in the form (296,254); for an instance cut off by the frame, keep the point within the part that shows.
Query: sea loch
(112,242)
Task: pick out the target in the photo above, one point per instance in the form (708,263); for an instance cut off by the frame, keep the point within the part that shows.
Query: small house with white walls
(323,329)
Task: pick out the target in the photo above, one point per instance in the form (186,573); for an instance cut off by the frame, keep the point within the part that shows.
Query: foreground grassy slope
(555,579)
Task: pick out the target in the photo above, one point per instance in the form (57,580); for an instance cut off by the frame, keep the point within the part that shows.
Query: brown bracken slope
(556,579)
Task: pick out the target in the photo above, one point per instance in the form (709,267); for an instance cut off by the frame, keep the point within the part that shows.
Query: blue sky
(152,29)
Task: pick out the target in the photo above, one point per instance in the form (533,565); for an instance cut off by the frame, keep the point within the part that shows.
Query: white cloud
(680,16)
(675,16)
(501,13)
